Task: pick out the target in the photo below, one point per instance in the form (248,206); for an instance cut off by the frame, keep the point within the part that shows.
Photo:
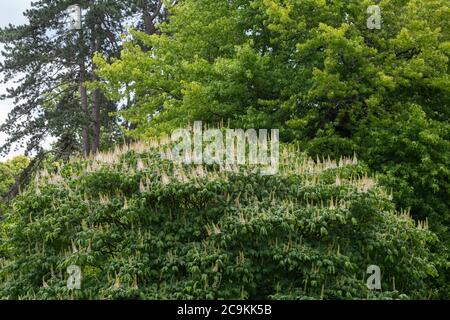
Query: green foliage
(314,70)
(309,67)
(9,170)
(141,227)
(413,152)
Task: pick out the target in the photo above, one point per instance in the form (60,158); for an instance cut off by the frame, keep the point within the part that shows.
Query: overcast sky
(11,11)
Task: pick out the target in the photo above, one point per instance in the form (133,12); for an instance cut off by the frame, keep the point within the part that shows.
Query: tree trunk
(149,19)
(96,124)
(149,26)
(85,109)
(96,121)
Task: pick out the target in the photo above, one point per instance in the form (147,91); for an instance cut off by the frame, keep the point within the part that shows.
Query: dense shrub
(141,227)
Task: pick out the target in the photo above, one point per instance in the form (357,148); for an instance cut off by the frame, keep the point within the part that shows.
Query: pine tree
(51,64)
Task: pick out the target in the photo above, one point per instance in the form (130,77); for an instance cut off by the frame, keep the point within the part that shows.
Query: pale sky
(11,11)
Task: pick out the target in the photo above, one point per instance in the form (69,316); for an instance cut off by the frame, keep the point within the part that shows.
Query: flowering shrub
(139,226)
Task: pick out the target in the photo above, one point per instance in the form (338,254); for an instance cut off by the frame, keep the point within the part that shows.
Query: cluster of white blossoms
(227,147)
